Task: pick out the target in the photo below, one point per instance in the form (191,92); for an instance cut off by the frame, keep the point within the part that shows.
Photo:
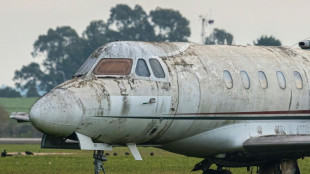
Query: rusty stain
(125,107)
(123,97)
(97,52)
(131,83)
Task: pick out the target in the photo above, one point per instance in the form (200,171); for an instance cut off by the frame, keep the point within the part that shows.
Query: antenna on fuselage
(204,23)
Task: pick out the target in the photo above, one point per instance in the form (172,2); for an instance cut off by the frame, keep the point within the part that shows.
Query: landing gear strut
(284,167)
(99,158)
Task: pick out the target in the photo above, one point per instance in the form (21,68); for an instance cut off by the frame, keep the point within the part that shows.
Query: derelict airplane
(234,106)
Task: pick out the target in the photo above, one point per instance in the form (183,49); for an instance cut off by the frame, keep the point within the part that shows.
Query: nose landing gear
(99,158)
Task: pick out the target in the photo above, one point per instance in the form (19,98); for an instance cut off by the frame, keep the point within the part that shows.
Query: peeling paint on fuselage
(112,106)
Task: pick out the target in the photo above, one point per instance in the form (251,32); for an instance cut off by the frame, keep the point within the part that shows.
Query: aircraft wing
(278,145)
(20,117)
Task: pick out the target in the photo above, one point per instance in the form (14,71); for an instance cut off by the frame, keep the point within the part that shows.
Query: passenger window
(228,79)
(157,69)
(262,79)
(115,66)
(298,80)
(245,79)
(142,69)
(281,80)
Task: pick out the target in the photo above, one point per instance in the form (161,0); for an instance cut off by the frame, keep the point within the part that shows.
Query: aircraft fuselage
(204,101)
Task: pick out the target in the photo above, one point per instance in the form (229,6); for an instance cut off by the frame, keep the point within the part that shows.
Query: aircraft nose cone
(57,113)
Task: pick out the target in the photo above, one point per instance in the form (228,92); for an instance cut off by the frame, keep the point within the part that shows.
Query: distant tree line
(9,92)
(267,41)
(63,50)
(221,37)
(13,93)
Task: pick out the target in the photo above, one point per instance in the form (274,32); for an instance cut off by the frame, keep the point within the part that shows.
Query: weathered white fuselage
(196,109)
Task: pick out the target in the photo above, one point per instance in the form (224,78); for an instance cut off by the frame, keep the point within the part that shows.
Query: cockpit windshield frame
(152,76)
(86,67)
(116,75)
(89,63)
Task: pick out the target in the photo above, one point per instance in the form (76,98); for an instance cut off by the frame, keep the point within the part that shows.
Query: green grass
(79,162)
(82,162)
(17,104)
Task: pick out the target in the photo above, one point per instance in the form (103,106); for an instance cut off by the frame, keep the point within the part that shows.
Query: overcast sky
(22,21)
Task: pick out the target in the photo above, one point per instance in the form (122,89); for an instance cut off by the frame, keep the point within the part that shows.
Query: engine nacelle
(305,44)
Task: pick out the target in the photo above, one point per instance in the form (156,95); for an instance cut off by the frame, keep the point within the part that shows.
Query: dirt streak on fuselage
(195,84)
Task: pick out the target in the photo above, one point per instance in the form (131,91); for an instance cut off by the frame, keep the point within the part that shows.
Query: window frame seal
(152,77)
(113,76)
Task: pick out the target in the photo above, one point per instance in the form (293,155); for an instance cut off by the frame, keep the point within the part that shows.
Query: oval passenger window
(245,79)
(142,69)
(298,80)
(157,69)
(262,79)
(281,80)
(228,79)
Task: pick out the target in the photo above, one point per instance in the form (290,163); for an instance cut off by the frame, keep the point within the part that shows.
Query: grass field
(17,104)
(82,162)
(13,129)
(79,162)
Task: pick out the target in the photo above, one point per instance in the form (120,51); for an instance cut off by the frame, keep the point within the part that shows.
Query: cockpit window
(116,66)
(142,69)
(157,69)
(88,64)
